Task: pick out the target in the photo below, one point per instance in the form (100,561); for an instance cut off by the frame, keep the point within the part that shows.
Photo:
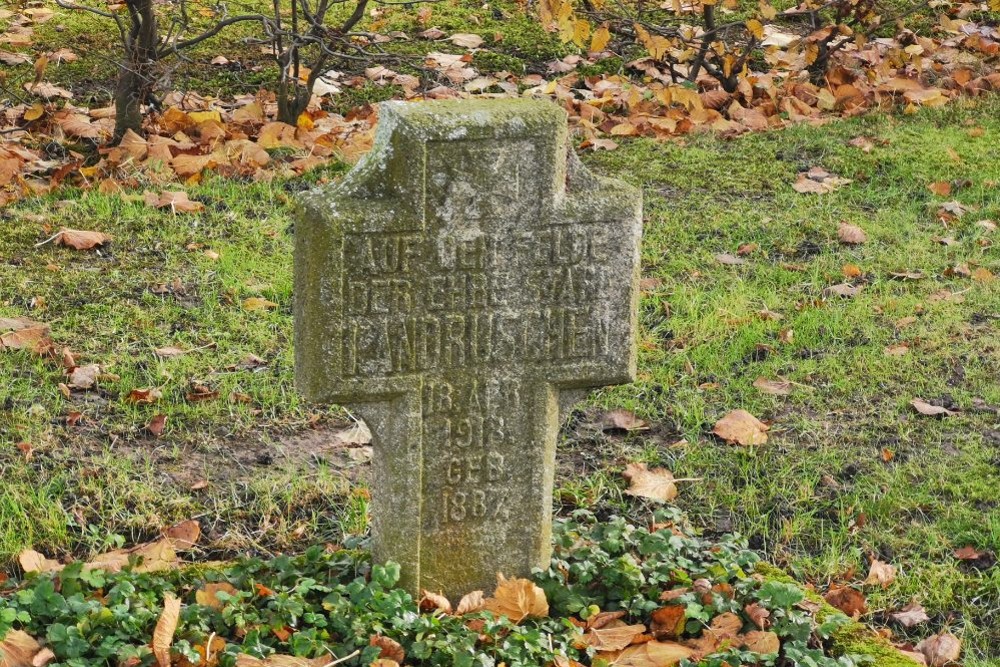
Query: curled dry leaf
(881,574)
(741,427)
(655,484)
(208,595)
(434,602)
(848,600)
(758,614)
(941,650)
(168,352)
(163,635)
(911,615)
(80,240)
(19,649)
(517,599)
(470,603)
(925,408)
(389,649)
(851,234)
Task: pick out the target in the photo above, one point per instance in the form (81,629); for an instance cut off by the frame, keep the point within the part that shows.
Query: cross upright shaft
(457,287)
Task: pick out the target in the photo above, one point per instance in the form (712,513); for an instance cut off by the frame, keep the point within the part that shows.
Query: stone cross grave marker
(466,280)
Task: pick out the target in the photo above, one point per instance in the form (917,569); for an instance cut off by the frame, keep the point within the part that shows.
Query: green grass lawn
(819,498)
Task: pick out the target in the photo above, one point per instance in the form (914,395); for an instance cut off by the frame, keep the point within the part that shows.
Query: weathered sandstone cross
(463,282)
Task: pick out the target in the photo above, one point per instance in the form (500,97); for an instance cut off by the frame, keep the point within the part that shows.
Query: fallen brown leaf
(470,603)
(389,649)
(911,615)
(758,614)
(655,484)
(184,535)
(80,240)
(851,234)
(741,427)
(19,649)
(668,622)
(23,334)
(773,387)
(177,202)
(208,596)
(622,420)
(517,599)
(968,552)
(650,654)
(32,561)
(925,408)
(84,377)
(613,638)
(761,643)
(941,650)
(434,602)
(842,290)
(848,600)
(157,424)
(880,574)
(163,634)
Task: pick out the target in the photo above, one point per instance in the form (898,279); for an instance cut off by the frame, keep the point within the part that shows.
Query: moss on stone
(853,638)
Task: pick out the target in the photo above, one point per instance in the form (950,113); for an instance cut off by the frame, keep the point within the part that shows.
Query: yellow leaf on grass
(756,28)
(163,635)
(656,484)
(517,599)
(258,303)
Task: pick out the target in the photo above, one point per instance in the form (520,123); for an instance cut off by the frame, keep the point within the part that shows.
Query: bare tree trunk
(135,79)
